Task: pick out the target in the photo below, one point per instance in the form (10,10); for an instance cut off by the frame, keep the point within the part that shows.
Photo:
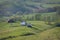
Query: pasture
(40,31)
(42,16)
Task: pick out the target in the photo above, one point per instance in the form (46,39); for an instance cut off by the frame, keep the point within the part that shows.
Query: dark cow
(11,21)
(29,25)
(58,24)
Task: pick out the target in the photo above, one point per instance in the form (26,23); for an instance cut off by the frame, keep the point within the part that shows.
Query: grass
(52,34)
(50,5)
(16,30)
(43,4)
(40,30)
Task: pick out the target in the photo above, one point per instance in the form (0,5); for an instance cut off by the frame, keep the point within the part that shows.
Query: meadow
(18,10)
(40,31)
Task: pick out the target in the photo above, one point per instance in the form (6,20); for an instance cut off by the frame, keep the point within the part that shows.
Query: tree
(57,16)
(45,19)
(37,16)
(49,20)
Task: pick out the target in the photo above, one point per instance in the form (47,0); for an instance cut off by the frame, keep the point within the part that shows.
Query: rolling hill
(11,7)
(17,32)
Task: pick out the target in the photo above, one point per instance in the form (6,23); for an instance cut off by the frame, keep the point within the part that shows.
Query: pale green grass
(52,34)
(50,5)
(16,29)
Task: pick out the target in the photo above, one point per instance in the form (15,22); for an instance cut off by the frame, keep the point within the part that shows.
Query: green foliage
(37,16)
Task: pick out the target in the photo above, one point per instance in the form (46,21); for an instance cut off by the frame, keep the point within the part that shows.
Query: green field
(45,23)
(40,31)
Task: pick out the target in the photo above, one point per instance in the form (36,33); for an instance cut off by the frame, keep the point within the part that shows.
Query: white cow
(23,23)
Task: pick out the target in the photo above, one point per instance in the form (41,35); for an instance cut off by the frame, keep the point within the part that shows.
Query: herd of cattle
(23,23)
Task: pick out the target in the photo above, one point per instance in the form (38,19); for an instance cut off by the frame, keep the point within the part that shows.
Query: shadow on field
(8,37)
(27,34)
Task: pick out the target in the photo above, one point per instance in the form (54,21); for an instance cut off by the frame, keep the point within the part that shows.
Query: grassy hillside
(52,34)
(40,31)
(28,10)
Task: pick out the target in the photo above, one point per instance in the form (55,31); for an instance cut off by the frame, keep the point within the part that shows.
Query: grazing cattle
(29,25)
(58,25)
(23,23)
(11,21)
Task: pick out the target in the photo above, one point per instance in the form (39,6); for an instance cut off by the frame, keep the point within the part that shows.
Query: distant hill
(11,7)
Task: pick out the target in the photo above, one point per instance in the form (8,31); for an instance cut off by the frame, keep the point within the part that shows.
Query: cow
(11,21)
(29,25)
(58,24)
(23,23)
